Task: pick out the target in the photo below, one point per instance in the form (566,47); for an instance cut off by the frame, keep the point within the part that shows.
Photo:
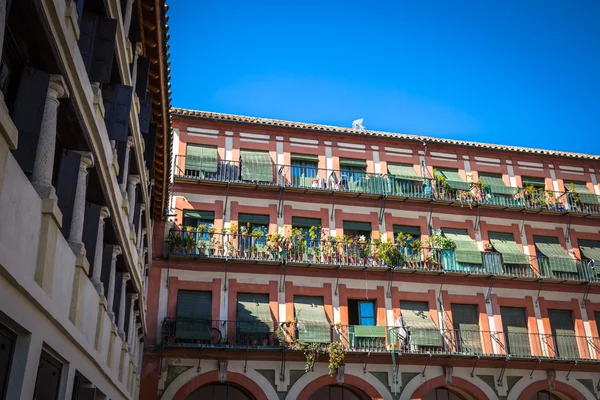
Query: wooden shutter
(514,325)
(150,140)
(117,105)
(423,331)
(312,326)
(299,222)
(90,232)
(145,111)
(243,219)
(48,378)
(87,32)
(194,314)
(7,344)
(66,185)
(465,318)
(104,50)
(141,79)
(563,330)
(254,313)
(28,113)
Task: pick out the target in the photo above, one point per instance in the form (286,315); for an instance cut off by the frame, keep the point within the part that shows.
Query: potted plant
(441,184)
(233,230)
(202,228)
(175,242)
(217,247)
(188,244)
(211,232)
(257,233)
(202,247)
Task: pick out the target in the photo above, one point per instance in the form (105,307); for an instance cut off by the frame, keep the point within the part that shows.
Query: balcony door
(194,312)
(304,170)
(514,325)
(563,333)
(465,319)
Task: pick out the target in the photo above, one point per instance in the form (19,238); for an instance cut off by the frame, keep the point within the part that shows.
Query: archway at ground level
(220,391)
(338,392)
(436,389)
(327,386)
(541,390)
(244,386)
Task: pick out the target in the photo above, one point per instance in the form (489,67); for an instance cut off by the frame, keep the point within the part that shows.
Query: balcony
(309,179)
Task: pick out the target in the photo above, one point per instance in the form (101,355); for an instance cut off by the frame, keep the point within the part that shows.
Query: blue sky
(518,72)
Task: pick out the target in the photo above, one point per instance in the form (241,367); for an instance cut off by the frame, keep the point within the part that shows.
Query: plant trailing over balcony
(439,242)
(389,254)
(175,241)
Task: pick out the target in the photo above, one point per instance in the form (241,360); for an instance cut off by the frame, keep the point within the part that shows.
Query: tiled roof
(367,132)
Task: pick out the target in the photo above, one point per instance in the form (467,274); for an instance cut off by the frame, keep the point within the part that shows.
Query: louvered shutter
(87,33)
(423,331)
(194,313)
(514,325)
(90,232)
(352,162)
(465,320)
(145,111)
(253,219)
(312,324)
(299,222)
(256,166)
(357,226)
(28,113)
(496,184)
(554,256)
(254,313)
(403,172)
(454,180)
(466,248)
(104,50)
(117,105)
(150,141)
(563,330)
(66,185)
(141,79)
(584,194)
(590,249)
(505,244)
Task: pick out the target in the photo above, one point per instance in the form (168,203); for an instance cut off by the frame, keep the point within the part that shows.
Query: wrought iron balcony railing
(318,179)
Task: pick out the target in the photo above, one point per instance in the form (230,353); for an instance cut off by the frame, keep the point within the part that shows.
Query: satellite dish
(357,124)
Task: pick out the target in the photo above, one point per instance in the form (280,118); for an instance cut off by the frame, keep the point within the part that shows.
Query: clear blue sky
(518,72)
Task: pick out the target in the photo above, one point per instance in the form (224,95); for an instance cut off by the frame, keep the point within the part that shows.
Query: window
(514,325)
(466,250)
(505,244)
(465,319)
(7,345)
(563,332)
(305,224)
(441,393)
(581,193)
(352,172)
(535,183)
(361,312)
(304,170)
(312,324)
(422,330)
(552,258)
(48,378)
(254,320)
(194,315)
(257,166)
(453,179)
(590,250)
(196,219)
(357,229)
(200,160)
(250,222)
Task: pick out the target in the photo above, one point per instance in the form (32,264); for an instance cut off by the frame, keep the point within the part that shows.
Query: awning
(514,324)
(454,180)
(414,231)
(253,219)
(590,249)
(256,166)
(305,157)
(466,248)
(312,323)
(201,158)
(505,244)
(298,222)
(369,331)
(583,192)
(496,184)
(254,313)
(352,162)
(357,226)
(536,182)
(423,331)
(403,171)
(205,215)
(557,260)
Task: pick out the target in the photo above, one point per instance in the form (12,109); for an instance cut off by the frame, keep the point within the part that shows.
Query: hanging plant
(336,355)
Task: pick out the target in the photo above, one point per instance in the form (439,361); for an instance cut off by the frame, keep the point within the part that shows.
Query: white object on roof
(357,124)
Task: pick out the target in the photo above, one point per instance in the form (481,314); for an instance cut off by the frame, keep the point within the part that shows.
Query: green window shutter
(254,313)
(351,162)
(454,180)
(298,222)
(201,158)
(466,248)
(243,219)
(404,172)
(514,325)
(414,231)
(496,184)
(584,193)
(194,313)
(305,157)
(357,226)
(423,331)
(505,244)
(563,330)
(256,166)
(557,260)
(313,326)
(535,182)
(590,249)
(369,331)
(466,324)
(204,215)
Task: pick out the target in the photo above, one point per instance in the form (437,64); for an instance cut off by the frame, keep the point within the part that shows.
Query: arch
(562,388)
(218,390)
(462,386)
(212,377)
(349,380)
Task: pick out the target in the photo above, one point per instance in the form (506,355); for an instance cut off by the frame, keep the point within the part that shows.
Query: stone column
(123,183)
(110,295)
(141,244)
(41,177)
(121,322)
(97,273)
(139,232)
(139,50)
(76,233)
(132,317)
(127,18)
(132,183)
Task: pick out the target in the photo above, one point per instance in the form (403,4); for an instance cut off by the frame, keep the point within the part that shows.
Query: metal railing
(526,345)
(214,333)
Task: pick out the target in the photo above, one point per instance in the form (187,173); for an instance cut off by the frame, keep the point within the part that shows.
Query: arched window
(220,391)
(337,392)
(442,393)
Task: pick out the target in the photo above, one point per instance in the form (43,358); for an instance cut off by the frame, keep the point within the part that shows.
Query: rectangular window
(580,192)
(304,170)
(257,166)
(563,332)
(495,184)
(197,219)
(194,315)
(254,320)
(250,222)
(536,183)
(419,324)
(305,224)
(200,160)
(48,377)
(312,324)
(514,325)
(552,257)
(466,248)
(357,229)
(505,244)
(590,249)
(7,345)
(352,173)
(453,179)
(465,319)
